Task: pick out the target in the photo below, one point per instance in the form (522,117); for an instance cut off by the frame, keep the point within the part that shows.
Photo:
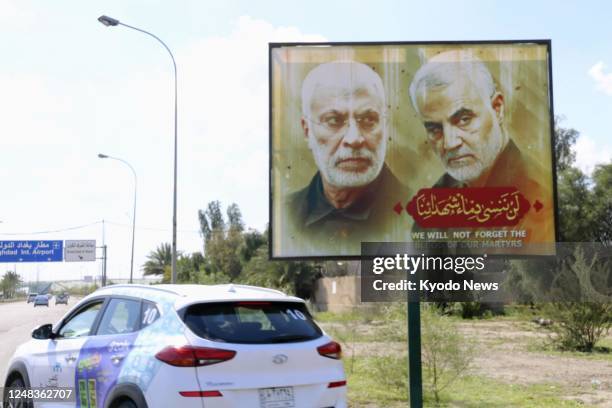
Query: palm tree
(9,283)
(158,260)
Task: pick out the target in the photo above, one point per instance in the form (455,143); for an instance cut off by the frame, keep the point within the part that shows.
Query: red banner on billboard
(468,207)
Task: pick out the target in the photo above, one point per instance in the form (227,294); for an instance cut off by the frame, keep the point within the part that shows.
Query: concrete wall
(338,294)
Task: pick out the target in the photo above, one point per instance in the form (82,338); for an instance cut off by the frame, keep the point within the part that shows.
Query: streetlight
(111,22)
(104,156)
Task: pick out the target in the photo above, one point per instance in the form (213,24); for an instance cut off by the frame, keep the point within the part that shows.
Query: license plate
(278,397)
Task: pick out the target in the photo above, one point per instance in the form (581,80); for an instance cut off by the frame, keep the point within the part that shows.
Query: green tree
(579,282)
(9,284)
(602,203)
(294,277)
(222,245)
(158,260)
(564,142)
(189,267)
(252,241)
(222,252)
(234,218)
(211,220)
(576,217)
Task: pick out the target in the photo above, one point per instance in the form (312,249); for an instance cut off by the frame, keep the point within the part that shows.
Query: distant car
(63,298)
(31,297)
(41,300)
(188,346)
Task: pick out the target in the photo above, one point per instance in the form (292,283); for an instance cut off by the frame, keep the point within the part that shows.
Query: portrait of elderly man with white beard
(462,110)
(351,197)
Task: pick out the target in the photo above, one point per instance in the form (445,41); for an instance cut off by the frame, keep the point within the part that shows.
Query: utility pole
(104,266)
(103,258)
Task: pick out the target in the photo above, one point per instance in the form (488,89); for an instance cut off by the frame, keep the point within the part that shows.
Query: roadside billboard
(410,142)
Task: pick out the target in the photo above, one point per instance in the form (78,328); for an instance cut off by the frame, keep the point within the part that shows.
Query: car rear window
(252,322)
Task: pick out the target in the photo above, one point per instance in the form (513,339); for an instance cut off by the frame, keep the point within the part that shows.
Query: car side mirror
(43,332)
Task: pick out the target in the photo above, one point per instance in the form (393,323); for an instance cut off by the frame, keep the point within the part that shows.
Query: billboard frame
(275,45)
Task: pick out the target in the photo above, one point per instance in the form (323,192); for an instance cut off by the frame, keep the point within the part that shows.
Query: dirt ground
(508,351)
(505,355)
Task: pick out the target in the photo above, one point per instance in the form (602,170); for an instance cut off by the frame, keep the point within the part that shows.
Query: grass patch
(366,386)
(600,352)
(605,343)
(331,317)
(354,316)
(476,391)
(348,334)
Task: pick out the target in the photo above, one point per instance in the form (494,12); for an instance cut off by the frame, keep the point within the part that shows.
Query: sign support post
(104,266)
(415,375)
(103,258)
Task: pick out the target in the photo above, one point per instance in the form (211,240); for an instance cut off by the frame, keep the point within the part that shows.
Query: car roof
(185,294)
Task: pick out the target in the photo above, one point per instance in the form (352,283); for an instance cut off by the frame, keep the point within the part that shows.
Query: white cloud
(603,80)
(589,153)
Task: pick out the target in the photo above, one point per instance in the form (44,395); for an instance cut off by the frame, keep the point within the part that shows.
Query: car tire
(16,382)
(126,403)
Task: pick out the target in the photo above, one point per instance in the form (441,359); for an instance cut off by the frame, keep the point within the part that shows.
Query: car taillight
(331,350)
(189,356)
(337,384)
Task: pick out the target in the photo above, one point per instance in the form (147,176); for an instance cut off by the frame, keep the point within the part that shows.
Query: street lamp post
(104,156)
(111,22)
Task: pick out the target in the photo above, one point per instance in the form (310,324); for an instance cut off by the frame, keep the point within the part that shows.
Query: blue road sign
(31,251)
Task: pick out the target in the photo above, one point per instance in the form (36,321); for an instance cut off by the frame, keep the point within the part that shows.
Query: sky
(72,88)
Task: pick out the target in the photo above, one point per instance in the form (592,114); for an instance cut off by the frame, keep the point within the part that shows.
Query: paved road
(17,321)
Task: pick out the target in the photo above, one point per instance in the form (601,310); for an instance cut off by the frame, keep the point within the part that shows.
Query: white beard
(465,174)
(342,178)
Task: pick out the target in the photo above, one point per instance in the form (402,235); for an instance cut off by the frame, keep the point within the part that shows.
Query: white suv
(134,346)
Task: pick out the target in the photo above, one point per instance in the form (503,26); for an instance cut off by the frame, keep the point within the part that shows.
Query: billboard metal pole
(414,354)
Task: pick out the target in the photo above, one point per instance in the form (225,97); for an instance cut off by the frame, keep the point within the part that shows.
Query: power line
(52,231)
(118,224)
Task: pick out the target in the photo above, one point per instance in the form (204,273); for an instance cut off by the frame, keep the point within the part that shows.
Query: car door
(103,355)
(56,364)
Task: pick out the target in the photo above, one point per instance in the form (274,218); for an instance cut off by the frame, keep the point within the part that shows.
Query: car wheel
(126,403)
(17,382)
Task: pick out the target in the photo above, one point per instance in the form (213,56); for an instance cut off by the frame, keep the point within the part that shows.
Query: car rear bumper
(308,396)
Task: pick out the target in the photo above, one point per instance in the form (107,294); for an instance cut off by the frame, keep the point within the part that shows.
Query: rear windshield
(252,322)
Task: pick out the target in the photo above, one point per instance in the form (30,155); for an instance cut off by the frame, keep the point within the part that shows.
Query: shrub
(577,325)
(392,372)
(446,353)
